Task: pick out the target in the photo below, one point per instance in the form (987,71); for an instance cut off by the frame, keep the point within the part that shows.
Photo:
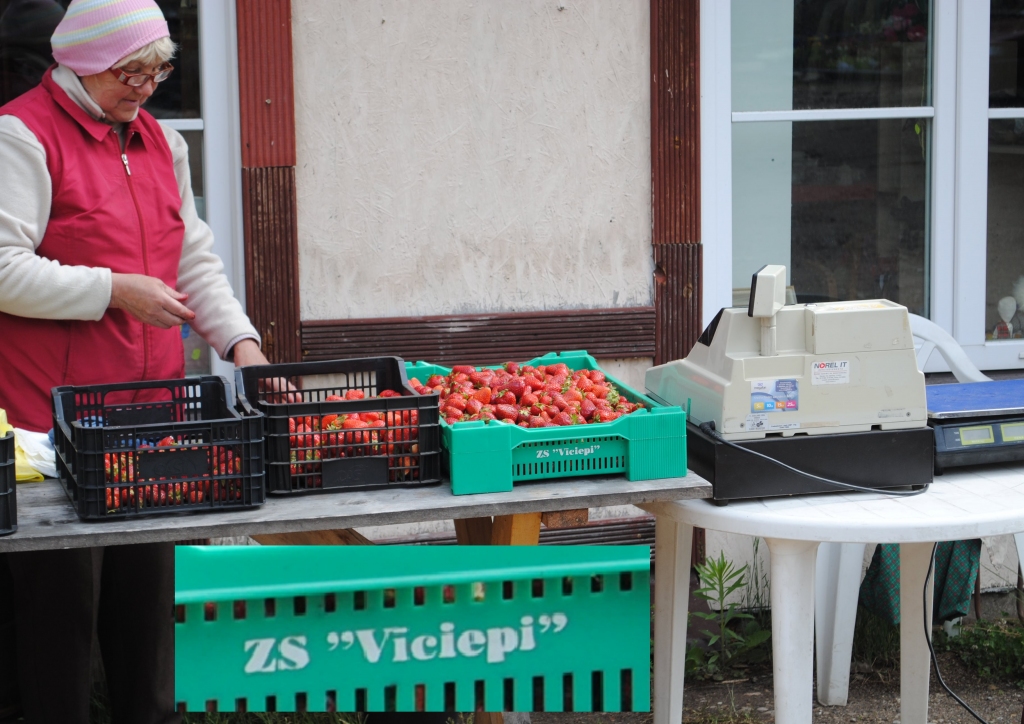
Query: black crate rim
(280,480)
(70,444)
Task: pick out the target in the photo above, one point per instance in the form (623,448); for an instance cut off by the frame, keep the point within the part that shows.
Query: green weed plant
(739,637)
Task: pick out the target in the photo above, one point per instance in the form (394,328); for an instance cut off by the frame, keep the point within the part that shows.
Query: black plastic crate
(160,447)
(8,486)
(306,454)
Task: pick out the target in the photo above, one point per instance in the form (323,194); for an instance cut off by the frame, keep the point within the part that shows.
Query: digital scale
(976,423)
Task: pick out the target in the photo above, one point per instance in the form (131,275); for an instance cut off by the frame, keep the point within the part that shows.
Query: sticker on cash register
(830,372)
(774,396)
(762,423)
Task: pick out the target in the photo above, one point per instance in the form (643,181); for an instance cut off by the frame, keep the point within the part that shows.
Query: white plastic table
(969,503)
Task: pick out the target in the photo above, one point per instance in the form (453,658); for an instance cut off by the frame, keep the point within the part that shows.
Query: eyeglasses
(135,80)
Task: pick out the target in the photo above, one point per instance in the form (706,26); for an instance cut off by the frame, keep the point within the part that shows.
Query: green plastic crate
(382,628)
(487,458)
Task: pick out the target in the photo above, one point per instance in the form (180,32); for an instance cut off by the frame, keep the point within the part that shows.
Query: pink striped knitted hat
(95,34)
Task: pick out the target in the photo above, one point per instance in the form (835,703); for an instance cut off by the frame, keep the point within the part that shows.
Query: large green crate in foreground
(382,628)
(488,457)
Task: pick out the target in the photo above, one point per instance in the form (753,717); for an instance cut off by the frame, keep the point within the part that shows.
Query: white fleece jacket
(36,287)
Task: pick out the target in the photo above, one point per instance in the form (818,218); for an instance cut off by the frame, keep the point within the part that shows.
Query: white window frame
(958,175)
(222,152)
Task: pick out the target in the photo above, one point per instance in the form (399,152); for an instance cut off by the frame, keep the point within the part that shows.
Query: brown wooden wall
(675,174)
(485,338)
(267,117)
(675,184)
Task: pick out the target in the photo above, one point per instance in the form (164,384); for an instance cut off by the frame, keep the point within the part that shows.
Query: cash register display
(1012,432)
(977,435)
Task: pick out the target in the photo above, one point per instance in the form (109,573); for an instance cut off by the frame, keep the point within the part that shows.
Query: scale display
(973,442)
(977,423)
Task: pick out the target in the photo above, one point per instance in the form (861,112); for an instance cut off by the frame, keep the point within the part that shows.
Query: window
(876,149)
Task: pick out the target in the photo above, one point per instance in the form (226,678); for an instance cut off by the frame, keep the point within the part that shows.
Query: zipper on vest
(145,252)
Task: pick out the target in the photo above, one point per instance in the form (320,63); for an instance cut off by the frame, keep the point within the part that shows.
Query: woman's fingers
(149,300)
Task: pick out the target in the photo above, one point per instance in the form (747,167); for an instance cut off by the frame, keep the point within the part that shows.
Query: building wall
(462,157)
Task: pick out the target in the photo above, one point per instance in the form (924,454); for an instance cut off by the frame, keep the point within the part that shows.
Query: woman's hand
(149,300)
(275,389)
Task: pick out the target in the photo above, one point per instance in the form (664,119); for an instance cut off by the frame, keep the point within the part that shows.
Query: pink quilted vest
(107,211)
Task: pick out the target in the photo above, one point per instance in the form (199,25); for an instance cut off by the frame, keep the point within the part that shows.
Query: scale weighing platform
(977,422)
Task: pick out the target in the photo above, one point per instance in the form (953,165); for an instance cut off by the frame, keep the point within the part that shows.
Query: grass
(876,642)
(726,714)
(993,649)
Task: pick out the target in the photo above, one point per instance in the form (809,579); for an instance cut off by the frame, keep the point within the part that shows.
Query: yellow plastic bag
(23,472)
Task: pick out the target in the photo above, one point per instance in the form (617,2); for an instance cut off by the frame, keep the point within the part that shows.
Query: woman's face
(120,102)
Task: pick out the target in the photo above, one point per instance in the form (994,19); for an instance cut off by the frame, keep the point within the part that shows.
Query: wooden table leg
(672,544)
(915,626)
(792,599)
(473,531)
(521,529)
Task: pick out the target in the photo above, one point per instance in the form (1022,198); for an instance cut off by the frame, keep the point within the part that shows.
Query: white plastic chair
(838,568)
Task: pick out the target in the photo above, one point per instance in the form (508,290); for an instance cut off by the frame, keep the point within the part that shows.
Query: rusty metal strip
(677,296)
(265,83)
(271,259)
(481,339)
(675,121)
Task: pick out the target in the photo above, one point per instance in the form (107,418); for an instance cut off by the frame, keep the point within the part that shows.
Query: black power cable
(709,429)
(928,638)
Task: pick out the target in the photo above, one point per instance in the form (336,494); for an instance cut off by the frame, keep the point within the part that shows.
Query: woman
(102,258)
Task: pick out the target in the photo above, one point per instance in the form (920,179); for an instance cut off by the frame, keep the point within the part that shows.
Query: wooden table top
(46,519)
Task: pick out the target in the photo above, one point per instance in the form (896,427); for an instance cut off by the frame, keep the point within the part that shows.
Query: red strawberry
(389,393)
(482,378)
(506,412)
(451,411)
(517,386)
(334,398)
(473,405)
(456,401)
(355,395)
(587,409)
(562,418)
(529,399)
(483,395)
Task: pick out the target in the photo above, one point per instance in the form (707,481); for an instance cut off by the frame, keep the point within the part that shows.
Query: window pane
(25,30)
(799,55)
(194,139)
(197,351)
(178,96)
(843,204)
(1004,280)
(1006,54)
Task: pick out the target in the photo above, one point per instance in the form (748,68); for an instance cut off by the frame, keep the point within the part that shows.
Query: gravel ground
(874,698)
